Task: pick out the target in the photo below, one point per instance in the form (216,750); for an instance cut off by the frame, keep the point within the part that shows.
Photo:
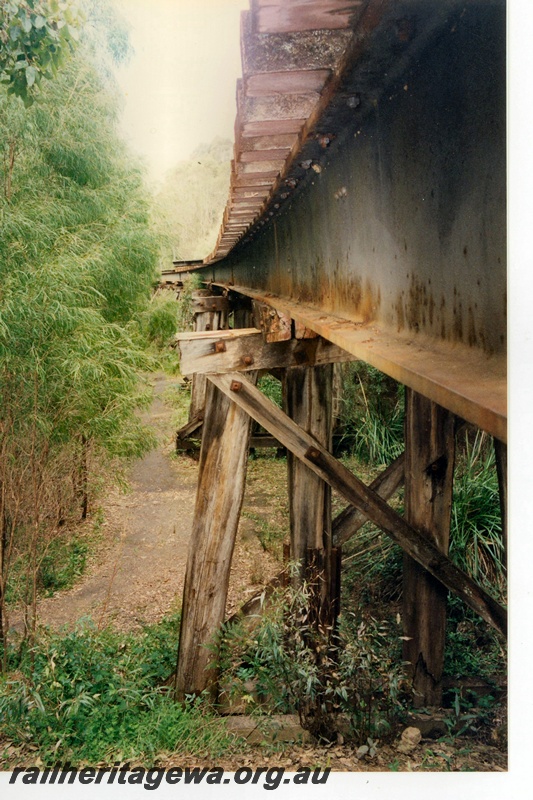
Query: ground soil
(138,572)
(137,576)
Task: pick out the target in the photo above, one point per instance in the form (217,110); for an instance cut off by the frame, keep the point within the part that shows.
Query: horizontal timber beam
(464,380)
(317,458)
(245,349)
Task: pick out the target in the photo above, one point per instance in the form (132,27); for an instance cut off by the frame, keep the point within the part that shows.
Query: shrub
(297,666)
(97,696)
(160,320)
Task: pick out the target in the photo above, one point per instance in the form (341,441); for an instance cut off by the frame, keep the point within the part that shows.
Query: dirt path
(139,577)
(139,573)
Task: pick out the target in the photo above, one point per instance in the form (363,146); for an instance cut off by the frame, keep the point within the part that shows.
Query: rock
(430,726)
(278,728)
(410,739)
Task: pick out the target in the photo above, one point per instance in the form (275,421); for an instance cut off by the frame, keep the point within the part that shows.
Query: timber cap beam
(245,349)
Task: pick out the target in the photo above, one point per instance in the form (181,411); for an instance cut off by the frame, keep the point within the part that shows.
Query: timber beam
(344,526)
(245,349)
(317,458)
(350,520)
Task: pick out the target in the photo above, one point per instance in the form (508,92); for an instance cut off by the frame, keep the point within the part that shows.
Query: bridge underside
(384,232)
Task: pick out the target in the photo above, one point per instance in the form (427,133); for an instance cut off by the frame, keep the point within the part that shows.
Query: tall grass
(476,542)
(371,419)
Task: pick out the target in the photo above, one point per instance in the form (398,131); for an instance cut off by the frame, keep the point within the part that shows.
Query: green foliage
(36,36)
(473,648)
(93,696)
(476,543)
(271,387)
(77,261)
(189,205)
(185,319)
(371,414)
(159,322)
(288,663)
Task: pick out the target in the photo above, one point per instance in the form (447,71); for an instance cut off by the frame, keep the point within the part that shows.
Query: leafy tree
(77,260)
(36,36)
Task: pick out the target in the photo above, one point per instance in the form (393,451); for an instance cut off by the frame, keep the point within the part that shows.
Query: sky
(179,86)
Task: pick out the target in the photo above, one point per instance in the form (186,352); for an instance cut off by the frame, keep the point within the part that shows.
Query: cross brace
(367,501)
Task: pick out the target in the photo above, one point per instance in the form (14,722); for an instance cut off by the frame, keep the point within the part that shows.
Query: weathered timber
(429,464)
(301,332)
(222,473)
(204,321)
(191,444)
(414,542)
(348,522)
(202,305)
(470,384)
(274,325)
(307,400)
(242,317)
(187,430)
(500,451)
(344,526)
(246,349)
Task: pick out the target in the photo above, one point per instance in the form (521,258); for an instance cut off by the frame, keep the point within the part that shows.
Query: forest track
(137,576)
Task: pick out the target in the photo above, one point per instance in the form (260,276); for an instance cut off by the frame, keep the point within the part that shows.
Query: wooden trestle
(231,361)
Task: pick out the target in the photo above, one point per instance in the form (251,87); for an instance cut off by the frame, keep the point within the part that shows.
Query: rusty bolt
(248,361)
(235,386)
(214,307)
(220,347)
(312,454)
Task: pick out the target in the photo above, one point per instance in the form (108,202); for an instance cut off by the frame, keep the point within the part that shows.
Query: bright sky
(180,83)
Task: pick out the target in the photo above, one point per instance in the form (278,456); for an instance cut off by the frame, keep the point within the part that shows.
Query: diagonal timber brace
(367,501)
(348,522)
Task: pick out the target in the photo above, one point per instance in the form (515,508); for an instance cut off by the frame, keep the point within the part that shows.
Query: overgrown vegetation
(188,207)
(93,696)
(371,414)
(287,663)
(77,260)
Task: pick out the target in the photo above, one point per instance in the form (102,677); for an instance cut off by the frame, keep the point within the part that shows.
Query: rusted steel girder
(391,240)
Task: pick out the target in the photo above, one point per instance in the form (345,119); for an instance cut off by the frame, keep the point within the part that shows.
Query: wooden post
(222,474)
(429,463)
(416,543)
(210,314)
(307,398)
